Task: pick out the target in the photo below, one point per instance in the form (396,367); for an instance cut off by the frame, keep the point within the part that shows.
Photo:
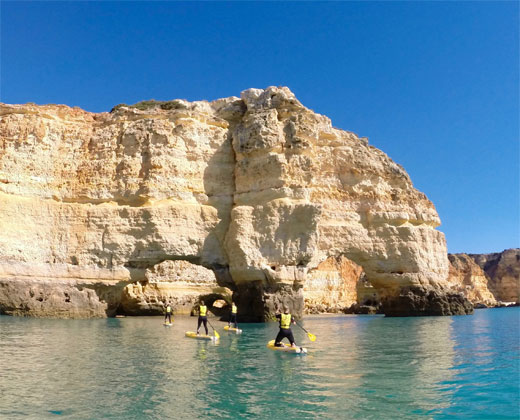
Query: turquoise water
(360,367)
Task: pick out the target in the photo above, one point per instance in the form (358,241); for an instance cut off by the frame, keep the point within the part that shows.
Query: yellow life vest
(233,309)
(168,309)
(285,321)
(203,310)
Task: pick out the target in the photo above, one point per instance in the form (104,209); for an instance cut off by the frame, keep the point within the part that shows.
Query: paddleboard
(168,324)
(233,329)
(287,348)
(192,334)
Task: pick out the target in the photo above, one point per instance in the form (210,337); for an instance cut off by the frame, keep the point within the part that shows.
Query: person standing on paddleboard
(203,318)
(233,316)
(285,328)
(168,313)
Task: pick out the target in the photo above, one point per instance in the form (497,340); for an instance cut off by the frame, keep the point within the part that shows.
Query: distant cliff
(503,270)
(260,190)
(490,279)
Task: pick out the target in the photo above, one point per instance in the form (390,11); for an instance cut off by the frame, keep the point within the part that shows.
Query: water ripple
(367,367)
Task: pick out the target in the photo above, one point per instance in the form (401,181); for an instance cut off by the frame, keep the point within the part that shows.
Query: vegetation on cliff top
(152,103)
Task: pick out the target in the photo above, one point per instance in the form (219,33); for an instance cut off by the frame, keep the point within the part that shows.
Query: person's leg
(278,339)
(206,325)
(290,336)
(198,324)
(235,320)
(286,333)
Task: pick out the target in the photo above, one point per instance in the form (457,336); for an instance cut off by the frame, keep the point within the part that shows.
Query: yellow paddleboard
(237,330)
(192,334)
(287,348)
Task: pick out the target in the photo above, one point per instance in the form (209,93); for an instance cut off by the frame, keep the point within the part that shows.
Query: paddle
(217,336)
(312,337)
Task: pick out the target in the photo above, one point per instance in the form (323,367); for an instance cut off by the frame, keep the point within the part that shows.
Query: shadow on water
(360,367)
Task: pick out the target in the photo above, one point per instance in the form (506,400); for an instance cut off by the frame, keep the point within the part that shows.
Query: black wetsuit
(233,320)
(168,316)
(233,316)
(203,320)
(283,333)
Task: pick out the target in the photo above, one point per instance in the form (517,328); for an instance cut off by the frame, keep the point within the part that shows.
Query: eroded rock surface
(414,301)
(60,290)
(339,285)
(503,270)
(467,278)
(259,189)
(179,283)
(331,286)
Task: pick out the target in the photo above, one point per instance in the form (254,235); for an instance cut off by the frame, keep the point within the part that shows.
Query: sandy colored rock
(467,278)
(503,270)
(259,189)
(178,283)
(61,290)
(332,286)
(306,192)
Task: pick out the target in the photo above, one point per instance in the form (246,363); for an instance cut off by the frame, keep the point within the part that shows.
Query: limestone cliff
(468,278)
(259,189)
(503,271)
(178,283)
(489,279)
(331,286)
(339,285)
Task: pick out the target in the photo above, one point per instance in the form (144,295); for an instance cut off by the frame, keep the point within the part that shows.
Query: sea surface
(360,367)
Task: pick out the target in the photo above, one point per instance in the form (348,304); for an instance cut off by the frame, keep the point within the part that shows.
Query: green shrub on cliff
(152,103)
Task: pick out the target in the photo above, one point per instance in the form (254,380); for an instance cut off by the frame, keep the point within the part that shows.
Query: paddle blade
(217,335)
(312,337)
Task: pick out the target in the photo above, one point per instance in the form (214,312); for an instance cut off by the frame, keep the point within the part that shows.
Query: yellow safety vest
(285,321)
(233,309)
(203,310)
(168,309)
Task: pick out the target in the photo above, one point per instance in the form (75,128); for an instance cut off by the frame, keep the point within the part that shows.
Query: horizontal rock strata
(259,189)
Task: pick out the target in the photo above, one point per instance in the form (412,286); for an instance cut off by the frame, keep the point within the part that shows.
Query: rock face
(178,283)
(503,270)
(339,285)
(467,278)
(331,286)
(486,279)
(60,290)
(414,301)
(259,189)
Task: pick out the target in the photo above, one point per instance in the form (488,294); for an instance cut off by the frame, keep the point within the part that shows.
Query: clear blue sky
(435,85)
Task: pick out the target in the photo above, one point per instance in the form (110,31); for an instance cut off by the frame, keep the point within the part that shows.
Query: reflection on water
(364,367)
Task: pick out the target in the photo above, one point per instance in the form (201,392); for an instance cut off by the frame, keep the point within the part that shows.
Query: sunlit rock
(260,190)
